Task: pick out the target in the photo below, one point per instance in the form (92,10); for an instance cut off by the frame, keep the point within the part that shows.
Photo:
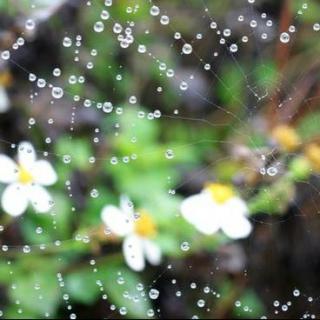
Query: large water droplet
(284,37)
(187,48)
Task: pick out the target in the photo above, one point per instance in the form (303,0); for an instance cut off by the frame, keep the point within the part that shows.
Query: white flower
(216,207)
(26,179)
(5,82)
(137,229)
(4,100)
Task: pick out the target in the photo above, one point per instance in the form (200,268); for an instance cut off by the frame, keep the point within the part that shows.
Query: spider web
(203,271)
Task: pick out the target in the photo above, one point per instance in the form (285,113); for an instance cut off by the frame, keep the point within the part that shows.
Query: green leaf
(309,126)
(12,312)
(84,286)
(311,15)
(273,199)
(4,4)
(226,170)
(116,291)
(5,270)
(267,75)
(144,130)
(250,302)
(300,168)
(61,228)
(28,288)
(78,149)
(230,89)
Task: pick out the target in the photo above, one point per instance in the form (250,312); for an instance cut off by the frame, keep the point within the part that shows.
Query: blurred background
(147,118)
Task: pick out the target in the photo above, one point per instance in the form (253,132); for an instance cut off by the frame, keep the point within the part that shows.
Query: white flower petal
(43,173)
(4,100)
(14,199)
(40,198)
(237,228)
(126,205)
(190,207)
(202,212)
(8,169)
(234,222)
(117,221)
(238,205)
(152,252)
(26,155)
(133,252)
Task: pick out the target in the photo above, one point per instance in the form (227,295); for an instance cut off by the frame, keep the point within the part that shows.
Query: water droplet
(66,158)
(213,25)
(105,15)
(237,304)
(272,171)
(117,28)
(114,160)
(5,55)
(183,86)
(164,20)
(26,249)
(234,48)
(296,292)
(67,42)
(193,285)
(185,246)
(32,121)
(169,154)
(30,24)
(276,303)
(187,48)
(98,26)
(154,294)
(94,193)
(142,48)
(120,280)
(57,92)
(41,83)
(284,37)
(154,10)
(123,311)
(201,303)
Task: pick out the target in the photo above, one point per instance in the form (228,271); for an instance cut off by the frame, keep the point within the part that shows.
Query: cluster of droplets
(124,35)
(138,294)
(41,83)
(65,296)
(155,11)
(270,170)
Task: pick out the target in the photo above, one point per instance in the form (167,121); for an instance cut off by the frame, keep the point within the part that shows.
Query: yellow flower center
(312,152)
(24,177)
(220,192)
(144,225)
(286,137)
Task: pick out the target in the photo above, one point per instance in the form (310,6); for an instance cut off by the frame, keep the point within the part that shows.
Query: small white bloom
(137,229)
(26,179)
(5,82)
(4,100)
(216,207)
